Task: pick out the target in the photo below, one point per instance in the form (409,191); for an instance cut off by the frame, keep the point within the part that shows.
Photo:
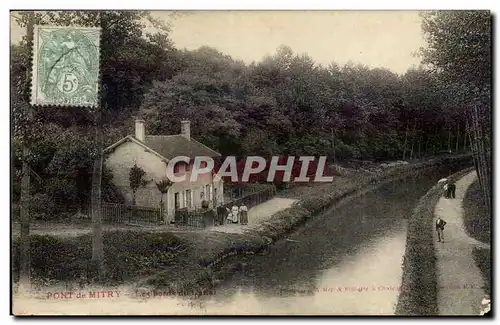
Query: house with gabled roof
(152,153)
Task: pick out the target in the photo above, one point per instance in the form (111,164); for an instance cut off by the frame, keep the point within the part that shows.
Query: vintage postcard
(251,163)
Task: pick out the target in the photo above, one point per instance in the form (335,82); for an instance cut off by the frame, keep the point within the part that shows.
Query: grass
(127,255)
(419,267)
(478,225)
(476,218)
(482,257)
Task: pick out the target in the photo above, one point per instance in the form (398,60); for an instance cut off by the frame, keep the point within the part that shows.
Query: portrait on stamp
(65,66)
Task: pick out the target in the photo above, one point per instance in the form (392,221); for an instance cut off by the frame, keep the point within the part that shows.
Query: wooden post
(465,137)
(419,145)
(458,137)
(482,158)
(333,146)
(474,153)
(97,243)
(426,145)
(25,245)
(96,195)
(449,139)
(413,138)
(406,140)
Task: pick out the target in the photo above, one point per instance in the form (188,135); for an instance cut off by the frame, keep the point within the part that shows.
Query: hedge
(418,294)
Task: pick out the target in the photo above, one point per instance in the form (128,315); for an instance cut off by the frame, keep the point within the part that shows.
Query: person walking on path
(446,190)
(440,223)
(451,190)
(244,214)
(456,263)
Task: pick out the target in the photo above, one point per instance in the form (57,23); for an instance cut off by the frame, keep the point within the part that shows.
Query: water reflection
(355,246)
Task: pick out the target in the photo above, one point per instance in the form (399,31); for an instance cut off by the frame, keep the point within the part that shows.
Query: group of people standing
(232,216)
(449,190)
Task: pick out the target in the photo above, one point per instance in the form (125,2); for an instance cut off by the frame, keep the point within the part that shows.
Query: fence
(121,213)
(232,192)
(201,218)
(253,199)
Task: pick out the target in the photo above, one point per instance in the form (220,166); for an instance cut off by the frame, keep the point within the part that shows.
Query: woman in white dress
(243,214)
(234,212)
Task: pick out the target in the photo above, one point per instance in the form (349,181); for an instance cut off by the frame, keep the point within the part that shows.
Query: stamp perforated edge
(34,62)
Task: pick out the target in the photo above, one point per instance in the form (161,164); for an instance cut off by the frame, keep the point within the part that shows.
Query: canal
(346,261)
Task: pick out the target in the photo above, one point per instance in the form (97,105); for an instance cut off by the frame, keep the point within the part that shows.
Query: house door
(177,201)
(188,199)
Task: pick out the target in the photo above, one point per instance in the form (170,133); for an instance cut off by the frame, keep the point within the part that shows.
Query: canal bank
(211,264)
(419,265)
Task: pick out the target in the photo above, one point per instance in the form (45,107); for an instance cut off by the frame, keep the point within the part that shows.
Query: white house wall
(122,159)
(129,153)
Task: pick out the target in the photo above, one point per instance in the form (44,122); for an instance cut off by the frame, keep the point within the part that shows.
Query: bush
(344,151)
(53,257)
(127,254)
(42,207)
(63,192)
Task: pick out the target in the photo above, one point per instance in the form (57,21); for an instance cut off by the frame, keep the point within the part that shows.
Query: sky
(375,38)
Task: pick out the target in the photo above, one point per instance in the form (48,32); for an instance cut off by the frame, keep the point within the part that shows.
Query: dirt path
(460,285)
(256,215)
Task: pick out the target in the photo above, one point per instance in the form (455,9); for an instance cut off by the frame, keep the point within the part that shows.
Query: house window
(208,194)
(188,199)
(177,168)
(177,201)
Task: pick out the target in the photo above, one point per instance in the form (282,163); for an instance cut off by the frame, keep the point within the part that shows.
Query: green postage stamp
(65,66)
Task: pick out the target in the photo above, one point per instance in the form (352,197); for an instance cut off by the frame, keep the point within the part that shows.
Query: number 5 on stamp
(65,66)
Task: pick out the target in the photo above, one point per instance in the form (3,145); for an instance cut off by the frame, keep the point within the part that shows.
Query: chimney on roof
(140,130)
(186,129)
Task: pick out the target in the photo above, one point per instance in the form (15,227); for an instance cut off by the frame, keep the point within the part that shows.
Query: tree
(163,186)
(136,180)
(26,111)
(459,49)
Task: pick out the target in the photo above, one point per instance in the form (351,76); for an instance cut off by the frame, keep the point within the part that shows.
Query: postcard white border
(184,4)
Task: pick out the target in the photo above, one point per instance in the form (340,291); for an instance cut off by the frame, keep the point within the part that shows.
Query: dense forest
(285,104)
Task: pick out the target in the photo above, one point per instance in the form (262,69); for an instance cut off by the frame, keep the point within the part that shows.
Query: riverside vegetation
(419,265)
(159,259)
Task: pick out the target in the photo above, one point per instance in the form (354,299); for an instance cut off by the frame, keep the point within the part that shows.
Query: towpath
(460,285)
